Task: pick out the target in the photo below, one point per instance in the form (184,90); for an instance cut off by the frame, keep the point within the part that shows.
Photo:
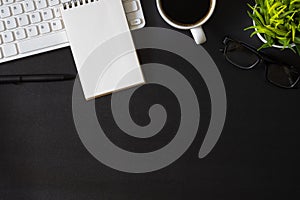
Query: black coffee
(185,11)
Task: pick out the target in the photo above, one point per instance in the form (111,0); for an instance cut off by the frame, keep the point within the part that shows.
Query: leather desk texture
(256,157)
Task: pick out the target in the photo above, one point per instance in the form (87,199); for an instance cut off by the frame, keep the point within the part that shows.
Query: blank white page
(102,46)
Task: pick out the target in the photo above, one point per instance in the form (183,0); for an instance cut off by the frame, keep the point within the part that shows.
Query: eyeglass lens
(240,56)
(282,75)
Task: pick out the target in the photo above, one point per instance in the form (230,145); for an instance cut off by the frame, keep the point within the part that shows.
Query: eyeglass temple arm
(262,55)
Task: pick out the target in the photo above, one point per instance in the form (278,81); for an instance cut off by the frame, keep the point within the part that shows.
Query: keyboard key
(10,23)
(130,6)
(35,17)
(28,6)
(53,2)
(44,28)
(36,25)
(7,1)
(57,12)
(7,37)
(20,34)
(2,27)
(47,14)
(32,31)
(5,11)
(41,4)
(23,20)
(17,9)
(56,25)
(9,50)
(135,22)
(49,40)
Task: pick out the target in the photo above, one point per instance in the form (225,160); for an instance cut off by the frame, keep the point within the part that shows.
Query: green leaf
(257,14)
(277,31)
(251,27)
(293,32)
(266,45)
(269,39)
(278,21)
(295,1)
(263,30)
(293,12)
(275,5)
(256,20)
(297,40)
(298,49)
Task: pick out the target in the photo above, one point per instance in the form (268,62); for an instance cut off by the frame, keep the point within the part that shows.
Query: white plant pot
(265,41)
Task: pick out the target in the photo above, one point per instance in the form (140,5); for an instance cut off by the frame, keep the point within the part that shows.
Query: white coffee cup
(196,29)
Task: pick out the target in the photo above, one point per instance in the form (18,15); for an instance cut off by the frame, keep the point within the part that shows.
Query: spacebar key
(42,42)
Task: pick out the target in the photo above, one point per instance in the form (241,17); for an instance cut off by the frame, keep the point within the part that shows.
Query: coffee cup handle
(199,35)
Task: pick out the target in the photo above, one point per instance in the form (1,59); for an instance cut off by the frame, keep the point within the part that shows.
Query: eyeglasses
(246,57)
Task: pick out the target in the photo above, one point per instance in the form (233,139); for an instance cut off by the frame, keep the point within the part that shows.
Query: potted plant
(277,23)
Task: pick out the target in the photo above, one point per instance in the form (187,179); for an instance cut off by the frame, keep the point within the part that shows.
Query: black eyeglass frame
(261,58)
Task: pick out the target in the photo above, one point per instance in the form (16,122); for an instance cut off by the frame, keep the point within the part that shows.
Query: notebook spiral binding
(75,3)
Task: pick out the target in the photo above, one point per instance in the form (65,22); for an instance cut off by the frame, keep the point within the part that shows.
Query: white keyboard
(29,27)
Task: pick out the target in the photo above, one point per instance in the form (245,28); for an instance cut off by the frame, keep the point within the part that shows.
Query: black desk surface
(42,157)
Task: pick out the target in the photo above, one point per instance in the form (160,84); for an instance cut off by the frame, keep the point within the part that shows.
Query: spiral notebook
(102,46)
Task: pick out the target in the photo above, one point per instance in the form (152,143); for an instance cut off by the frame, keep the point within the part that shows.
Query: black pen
(35,78)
